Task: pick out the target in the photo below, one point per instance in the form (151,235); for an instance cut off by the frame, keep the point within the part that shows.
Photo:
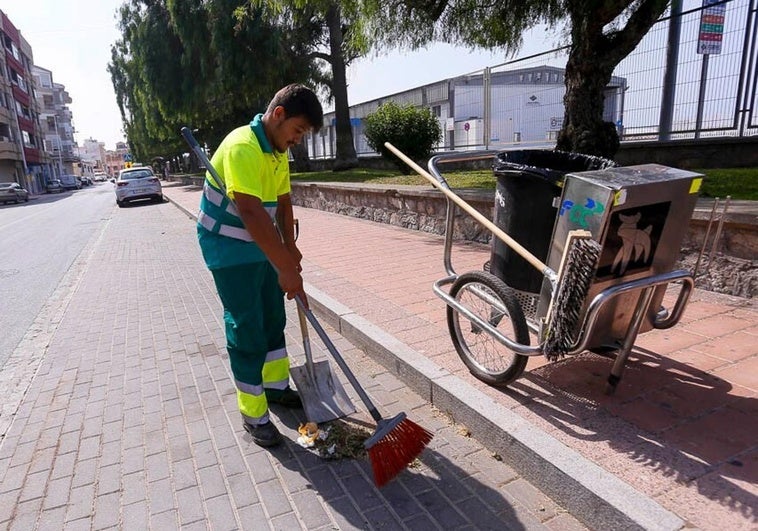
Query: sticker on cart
(632,240)
(619,198)
(499,199)
(579,214)
(566,206)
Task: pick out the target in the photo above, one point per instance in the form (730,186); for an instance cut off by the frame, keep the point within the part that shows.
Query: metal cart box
(639,215)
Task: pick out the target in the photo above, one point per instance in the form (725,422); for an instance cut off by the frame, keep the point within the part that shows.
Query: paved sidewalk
(680,429)
(124,416)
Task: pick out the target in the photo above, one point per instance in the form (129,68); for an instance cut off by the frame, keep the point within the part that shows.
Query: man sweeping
(247,238)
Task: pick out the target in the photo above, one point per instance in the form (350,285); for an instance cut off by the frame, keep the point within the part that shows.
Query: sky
(73,38)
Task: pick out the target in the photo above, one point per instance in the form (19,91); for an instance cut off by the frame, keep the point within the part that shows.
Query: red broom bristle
(396,450)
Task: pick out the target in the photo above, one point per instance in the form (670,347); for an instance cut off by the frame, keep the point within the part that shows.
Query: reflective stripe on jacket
(220,216)
(223,239)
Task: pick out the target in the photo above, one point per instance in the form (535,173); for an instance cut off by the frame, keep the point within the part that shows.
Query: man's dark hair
(299,100)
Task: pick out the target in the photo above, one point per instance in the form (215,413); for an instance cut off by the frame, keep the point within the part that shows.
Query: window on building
(5,132)
(22,111)
(27,139)
(437,111)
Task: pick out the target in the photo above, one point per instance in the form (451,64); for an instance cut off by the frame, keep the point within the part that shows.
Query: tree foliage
(412,130)
(191,62)
(601,34)
(332,33)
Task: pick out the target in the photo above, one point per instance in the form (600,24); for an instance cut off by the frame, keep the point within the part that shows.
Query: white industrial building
(481,110)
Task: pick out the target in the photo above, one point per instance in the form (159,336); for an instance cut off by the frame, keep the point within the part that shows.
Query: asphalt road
(39,242)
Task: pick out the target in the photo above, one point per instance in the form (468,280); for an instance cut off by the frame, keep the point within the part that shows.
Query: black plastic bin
(528,181)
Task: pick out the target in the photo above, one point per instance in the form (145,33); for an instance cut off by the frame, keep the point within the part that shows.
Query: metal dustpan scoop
(324,398)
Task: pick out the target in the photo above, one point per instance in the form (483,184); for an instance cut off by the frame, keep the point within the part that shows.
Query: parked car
(137,183)
(99,177)
(54,187)
(13,192)
(70,182)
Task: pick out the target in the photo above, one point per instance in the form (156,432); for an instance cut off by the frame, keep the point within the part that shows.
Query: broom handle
(187,134)
(339,359)
(513,244)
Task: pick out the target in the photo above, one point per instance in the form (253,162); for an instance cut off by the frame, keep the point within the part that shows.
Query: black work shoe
(263,434)
(287,398)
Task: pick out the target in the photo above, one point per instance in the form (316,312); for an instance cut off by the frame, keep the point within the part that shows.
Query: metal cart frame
(644,287)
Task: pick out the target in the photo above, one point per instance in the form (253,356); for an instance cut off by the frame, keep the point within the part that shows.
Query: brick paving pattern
(681,425)
(131,421)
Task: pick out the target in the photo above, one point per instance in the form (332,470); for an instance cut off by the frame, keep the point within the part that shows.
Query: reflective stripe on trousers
(251,398)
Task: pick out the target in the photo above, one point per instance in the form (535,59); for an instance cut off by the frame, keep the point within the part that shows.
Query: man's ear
(279,113)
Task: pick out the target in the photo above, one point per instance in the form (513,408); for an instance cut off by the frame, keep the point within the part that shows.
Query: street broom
(570,285)
(397,441)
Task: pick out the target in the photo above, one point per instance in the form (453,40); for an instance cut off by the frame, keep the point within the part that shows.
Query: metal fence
(676,92)
(665,89)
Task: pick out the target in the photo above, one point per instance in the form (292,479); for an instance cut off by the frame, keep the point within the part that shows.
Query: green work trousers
(254,318)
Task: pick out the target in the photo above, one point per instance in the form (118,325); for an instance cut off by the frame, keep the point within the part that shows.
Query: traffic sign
(711,27)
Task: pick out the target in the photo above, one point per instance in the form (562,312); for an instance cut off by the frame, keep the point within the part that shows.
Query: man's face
(286,132)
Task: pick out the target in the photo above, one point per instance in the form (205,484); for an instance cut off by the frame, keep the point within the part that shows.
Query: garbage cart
(529,183)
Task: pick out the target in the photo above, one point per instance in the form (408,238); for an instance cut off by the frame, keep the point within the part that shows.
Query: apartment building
(22,154)
(93,152)
(56,126)
(114,160)
(36,124)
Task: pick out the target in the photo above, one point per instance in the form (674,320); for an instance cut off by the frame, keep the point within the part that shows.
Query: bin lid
(549,164)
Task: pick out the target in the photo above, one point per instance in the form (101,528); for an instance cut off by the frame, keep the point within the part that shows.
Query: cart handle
(513,244)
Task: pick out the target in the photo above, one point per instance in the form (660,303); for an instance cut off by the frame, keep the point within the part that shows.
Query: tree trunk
(346,157)
(584,131)
(300,160)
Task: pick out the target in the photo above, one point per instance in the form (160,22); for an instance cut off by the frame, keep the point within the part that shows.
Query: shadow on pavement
(656,429)
(433,492)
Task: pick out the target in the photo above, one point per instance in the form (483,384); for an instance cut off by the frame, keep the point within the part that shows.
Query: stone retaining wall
(420,208)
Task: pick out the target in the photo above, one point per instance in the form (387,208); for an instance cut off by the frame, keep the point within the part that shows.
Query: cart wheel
(492,300)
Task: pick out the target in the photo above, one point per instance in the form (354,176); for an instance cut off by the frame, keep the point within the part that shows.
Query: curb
(596,497)
(180,207)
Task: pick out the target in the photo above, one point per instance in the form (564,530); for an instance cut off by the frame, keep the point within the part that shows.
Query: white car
(137,183)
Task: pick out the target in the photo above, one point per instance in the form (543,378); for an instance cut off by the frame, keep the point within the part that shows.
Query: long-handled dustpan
(397,441)
(323,396)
